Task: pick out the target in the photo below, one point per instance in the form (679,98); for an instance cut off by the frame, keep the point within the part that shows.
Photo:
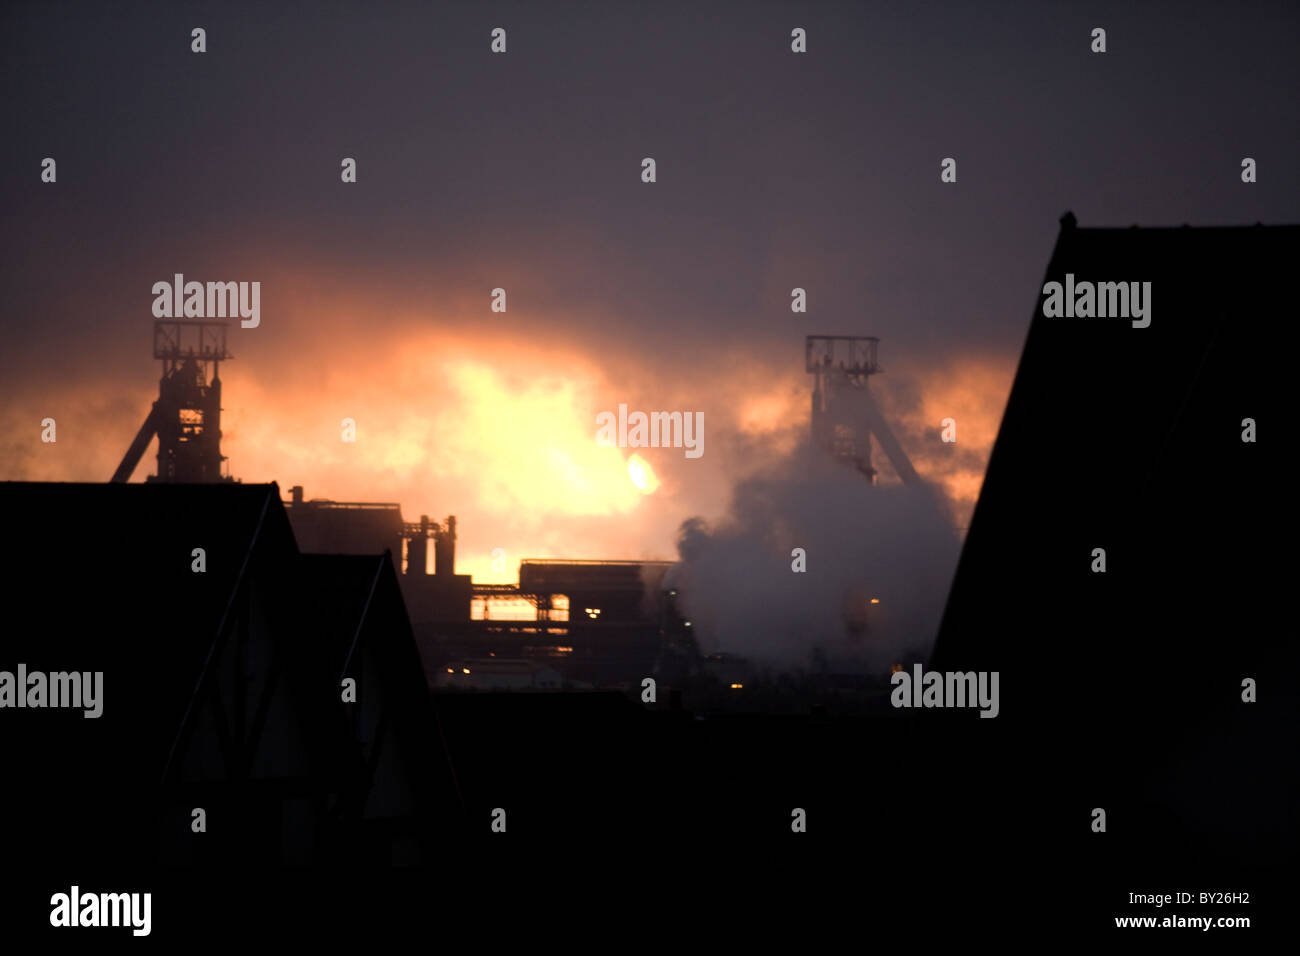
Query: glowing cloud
(642,475)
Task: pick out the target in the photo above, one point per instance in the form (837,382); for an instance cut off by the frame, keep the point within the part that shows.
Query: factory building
(593,623)
(322,526)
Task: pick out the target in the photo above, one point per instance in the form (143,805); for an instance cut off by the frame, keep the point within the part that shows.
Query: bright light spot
(687,623)
(737,686)
(450,671)
(465,669)
(642,475)
(875,600)
(526,440)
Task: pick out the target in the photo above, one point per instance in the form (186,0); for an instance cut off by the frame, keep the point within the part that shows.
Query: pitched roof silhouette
(227,677)
(1130,440)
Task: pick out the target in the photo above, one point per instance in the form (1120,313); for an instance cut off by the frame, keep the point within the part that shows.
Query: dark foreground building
(222,688)
(1123,690)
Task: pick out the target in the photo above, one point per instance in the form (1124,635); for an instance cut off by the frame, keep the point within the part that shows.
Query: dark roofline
(1069,223)
(217,639)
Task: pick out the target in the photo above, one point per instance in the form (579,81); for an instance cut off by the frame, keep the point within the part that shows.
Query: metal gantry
(186,418)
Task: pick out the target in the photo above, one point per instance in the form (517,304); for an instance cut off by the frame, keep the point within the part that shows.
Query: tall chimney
(417,549)
(444,549)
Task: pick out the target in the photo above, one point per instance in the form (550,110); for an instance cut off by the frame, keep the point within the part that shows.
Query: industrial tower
(187,415)
(417,534)
(844,415)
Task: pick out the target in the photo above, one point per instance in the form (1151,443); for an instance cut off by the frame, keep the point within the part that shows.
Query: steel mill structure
(187,415)
(844,414)
(584,623)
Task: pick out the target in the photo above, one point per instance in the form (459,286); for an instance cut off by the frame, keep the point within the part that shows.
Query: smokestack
(417,549)
(444,549)
(296,494)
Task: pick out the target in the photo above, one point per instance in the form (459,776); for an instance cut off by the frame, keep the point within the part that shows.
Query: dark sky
(522,171)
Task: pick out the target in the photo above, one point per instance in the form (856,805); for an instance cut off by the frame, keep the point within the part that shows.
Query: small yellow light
(465,669)
(875,600)
(450,671)
(737,686)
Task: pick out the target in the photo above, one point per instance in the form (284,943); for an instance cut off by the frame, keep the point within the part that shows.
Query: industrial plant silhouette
(229,622)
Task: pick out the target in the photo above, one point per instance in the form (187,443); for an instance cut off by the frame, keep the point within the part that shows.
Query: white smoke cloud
(894,543)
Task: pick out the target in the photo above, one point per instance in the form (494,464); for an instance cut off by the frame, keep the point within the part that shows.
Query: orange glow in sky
(502,433)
